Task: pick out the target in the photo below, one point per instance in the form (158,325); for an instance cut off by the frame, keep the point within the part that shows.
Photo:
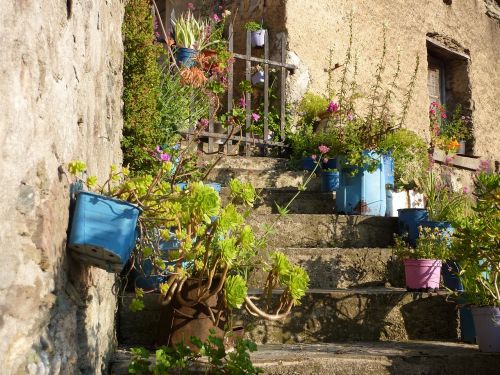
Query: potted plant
(205,276)
(476,245)
(103,228)
(423,263)
(258,33)
(449,134)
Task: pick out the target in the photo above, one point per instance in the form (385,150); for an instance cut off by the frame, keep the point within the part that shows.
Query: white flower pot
(258,38)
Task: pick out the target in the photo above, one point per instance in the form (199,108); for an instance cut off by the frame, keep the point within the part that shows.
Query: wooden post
(266,92)
(283,89)
(230,85)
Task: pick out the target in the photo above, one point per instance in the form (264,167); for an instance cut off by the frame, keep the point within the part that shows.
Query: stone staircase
(356,318)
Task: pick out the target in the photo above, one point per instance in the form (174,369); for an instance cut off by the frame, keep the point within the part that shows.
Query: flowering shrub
(447,132)
(432,243)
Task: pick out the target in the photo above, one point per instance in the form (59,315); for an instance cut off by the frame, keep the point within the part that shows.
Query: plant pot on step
(422,275)
(329,181)
(179,322)
(461,148)
(487,325)
(409,220)
(258,38)
(308,163)
(103,230)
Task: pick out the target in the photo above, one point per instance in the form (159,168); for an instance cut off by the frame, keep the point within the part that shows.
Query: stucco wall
(60,99)
(315,26)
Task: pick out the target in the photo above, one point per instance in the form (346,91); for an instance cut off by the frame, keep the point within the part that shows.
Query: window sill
(460,161)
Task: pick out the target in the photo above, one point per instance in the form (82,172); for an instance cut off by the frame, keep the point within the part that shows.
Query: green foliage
(242,192)
(141,77)
(235,291)
(431,244)
(253,26)
(179,358)
(410,155)
(477,244)
(311,106)
(442,203)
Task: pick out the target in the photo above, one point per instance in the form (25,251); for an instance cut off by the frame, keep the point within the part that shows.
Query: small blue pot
(217,187)
(449,271)
(409,220)
(186,56)
(308,163)
(330,164)
(329,181)
(103,230)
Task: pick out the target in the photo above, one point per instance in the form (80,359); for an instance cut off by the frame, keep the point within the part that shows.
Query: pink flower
(215,17)
(190,6)
(443,115)
(350,117)
(323,149)
(158,149)
(333,107)
(466,190)
(325,160)
(313,157)
(242,102)
(164,157)
(432,111)
(255,117)
(203,123)
(448,159)
(484,166)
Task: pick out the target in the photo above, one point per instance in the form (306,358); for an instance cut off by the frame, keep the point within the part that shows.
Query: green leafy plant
(477,243)
(253,26)
(181,359)
(410,155)
(431,244)
(446,131)
(194,33)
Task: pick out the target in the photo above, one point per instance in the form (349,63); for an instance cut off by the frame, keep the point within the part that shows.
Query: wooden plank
(283,90)
(290,67)
(266,89)
(210,128)
(248,96)
(259,141)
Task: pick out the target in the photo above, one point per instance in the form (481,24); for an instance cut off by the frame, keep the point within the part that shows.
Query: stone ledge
(466,162)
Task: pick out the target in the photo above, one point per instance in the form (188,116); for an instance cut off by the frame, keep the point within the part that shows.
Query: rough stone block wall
(60,100)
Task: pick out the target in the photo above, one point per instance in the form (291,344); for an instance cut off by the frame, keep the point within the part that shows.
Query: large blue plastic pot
(103,230)
(362,192)
(186,56)
(217,187)
(467,331)
(329,181)
(330,164)
(409,220)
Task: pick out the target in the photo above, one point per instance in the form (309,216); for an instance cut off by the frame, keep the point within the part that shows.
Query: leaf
(282,211)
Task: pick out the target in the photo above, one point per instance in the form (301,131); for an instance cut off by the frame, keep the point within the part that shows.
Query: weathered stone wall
(60,100)
(315,26)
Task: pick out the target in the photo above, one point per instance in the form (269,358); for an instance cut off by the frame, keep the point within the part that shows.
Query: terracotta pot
(178,322)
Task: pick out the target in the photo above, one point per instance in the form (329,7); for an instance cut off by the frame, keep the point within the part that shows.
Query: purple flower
(324,149)
(255,117)
(158,149)
(215,17)
(164,157)
(484,166)
(350,117)
(333,107)
(190,6)
(242,102)
(203,123)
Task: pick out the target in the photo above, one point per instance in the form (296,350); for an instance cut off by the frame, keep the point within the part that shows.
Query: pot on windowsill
(258,78)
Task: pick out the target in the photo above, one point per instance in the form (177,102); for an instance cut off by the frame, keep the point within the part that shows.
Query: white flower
(226,13)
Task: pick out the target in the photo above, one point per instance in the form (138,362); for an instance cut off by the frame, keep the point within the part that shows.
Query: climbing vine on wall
(141,77)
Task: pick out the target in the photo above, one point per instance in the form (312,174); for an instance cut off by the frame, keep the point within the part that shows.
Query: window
(447,76)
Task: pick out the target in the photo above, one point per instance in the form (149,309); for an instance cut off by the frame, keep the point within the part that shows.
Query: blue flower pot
(308,163)
(329,181)
(186,56)
(330,164)
(217,187)
(103,230)
(409,220)
(364,192)
(449,271)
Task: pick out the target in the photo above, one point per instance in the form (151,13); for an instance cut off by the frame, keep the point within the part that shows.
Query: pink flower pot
(422,274)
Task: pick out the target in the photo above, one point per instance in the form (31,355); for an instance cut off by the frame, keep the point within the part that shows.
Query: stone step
(365,314)
(307,202)
(265,178)
(333,268)
(368,358)
(320,230)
